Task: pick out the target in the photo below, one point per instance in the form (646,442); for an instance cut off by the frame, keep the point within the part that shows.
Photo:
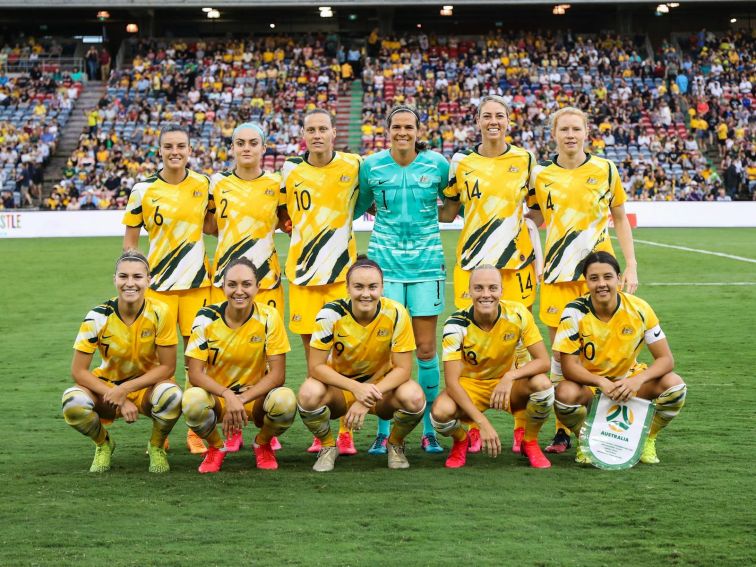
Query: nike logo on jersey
(156,199)
(341,336)
(104,338)
(469,172)
(226,191)
(548,184)
(382,181)
(298,184)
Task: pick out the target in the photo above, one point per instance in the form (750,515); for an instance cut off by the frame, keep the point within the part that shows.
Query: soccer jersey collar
(375,315)
(587,159)
(307,161)
(118,313)
(223,315)
(262,172)
(472,318)
(476,149)
(593,311)
(161,178)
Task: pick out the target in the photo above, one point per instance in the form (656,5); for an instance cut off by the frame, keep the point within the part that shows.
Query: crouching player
(361,360)
(137,345)
(599,337)
(480,345)
(237,363)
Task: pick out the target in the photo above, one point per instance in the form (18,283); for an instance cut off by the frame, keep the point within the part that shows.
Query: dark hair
(363,261)
(173,127)
(600,258)
(241,261)
(317,111)
(132,255)
(398,109)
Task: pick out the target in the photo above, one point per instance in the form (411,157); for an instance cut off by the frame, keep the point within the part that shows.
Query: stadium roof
(295,3)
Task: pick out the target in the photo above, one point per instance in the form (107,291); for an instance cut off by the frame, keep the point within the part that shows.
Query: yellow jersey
(492,191)
(359,352)
(127,351)
(236,358)
(576,205)
(320,202)
(246,213)
(488,355)
(607,349)
(173,216)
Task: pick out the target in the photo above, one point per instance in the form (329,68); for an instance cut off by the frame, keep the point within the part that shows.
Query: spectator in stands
(92,59)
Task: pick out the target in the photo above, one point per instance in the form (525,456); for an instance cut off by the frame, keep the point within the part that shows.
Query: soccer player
(599,336)
(404,184)
(320,190)
(246,217)
(137,344)
(479,350)
(173,206)
(237,364)
(575,193)
(360,362)
(491,182)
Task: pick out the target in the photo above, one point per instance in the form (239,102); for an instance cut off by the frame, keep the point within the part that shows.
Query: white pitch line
(699,251)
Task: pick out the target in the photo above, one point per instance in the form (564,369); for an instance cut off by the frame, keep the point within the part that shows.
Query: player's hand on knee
(236,416)
(115,396)
(502,392)
(367,394)
(355,416)
(129,411)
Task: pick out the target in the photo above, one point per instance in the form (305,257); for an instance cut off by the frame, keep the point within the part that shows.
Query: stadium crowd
(678,123)
(34,108)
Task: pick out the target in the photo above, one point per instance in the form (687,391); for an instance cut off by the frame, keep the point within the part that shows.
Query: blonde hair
(492,98)
(554,118)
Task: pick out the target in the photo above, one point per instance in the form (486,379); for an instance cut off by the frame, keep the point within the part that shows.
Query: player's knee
(76,405)
(411,396)
(166,401)
(539,383)
(670,380)
(426,350)
(280,405)
(443,408)
(311,394)
(194,403)
(567,392)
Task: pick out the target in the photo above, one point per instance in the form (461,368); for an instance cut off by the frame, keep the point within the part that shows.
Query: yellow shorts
(517,285)
(555,297)
(220,408)
(273,297)
(139,398)
(349,399)
(479,391)
(182,305)
(305,301)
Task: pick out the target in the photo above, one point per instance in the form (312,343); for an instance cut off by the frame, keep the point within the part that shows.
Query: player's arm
(574,371)
(210,224)
(82,375)
(365,198)
(625,237)
(663,363)
(273,378)
(535,215)
(163,371)
(539,364)
(131,238)
(400,372)
(449,210)
(365,393)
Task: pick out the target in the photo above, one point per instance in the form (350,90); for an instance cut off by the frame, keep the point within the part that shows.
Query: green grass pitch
(695,508)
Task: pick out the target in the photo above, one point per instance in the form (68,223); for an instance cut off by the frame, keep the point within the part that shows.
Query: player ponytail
(241,261)
(363,261)
(600,258)
(419,146)
(133,255)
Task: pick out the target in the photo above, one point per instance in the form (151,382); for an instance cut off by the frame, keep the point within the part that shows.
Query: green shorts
(422,299)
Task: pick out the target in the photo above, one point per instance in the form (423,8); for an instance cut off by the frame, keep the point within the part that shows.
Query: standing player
(479,352)
(320,190)
(173,207)
(361,362)
(491,182)
(237,363)
(404,183)
(575,193)
(137,344)
(246,217)
(599,337)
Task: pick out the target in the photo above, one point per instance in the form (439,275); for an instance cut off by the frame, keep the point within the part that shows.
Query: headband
(256,127)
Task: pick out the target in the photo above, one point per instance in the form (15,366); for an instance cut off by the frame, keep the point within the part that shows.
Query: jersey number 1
(303,199)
